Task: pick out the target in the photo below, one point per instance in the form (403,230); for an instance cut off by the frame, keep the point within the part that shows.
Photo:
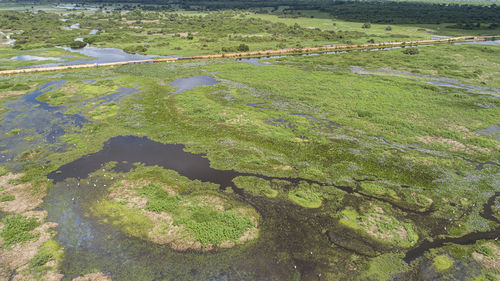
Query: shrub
(77,44)
(366,25)
(388,28)
(243,48)
(410,51)
(17,229)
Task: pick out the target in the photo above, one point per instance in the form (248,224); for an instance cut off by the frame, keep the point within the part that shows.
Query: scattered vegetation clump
(18,229)
(159,199)
(404,197)
(7,197)
(132,221)
(50,250)
(15,132)
(77,44)
(148,208)
(375,222)
(442,262)
(306,195)
(256,186)
(139,49)
(3,171)
(410,51)
(212,227)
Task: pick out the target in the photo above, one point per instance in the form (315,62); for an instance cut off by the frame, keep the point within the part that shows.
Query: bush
(388,28)
(410,51)
(139,49)
(243,48)
(366,25)
(77,44)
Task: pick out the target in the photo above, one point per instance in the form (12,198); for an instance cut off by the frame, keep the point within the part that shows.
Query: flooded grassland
(299,169)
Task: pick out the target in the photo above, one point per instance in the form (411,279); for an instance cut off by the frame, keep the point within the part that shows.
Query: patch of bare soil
(26,198)
(11,94)
(453,144)
(373,229)
(99,276)
(14,261)
(126,191)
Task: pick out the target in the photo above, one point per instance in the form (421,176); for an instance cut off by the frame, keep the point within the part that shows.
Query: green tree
(243,48)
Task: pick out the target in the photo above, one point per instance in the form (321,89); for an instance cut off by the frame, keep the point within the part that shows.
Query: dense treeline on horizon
(370,11)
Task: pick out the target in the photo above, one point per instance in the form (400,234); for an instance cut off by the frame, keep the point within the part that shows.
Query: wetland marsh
(354,165)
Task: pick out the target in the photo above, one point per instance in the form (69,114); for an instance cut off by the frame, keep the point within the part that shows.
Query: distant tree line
(390,12)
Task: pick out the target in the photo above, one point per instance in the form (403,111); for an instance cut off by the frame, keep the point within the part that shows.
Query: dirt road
(255,53)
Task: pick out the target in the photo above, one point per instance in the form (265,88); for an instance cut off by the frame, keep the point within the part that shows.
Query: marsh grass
(18,229)
(256,186)
(48,251)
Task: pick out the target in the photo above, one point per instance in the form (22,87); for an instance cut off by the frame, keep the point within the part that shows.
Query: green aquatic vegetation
(170,178)
(488,276)
(79,91)
(7,197)
(496,208)
(381,226)
(15,132)
(17,229)
(212,227)
(485,250)
(159,199)
(474,64)
(131,221)
(216,120)
(7,53)
(3,171)
(256,186)
(9,86)
(48,251)
(306,195)
(442,262)
(30,139)
(405,197)
(202,214)
(384,267)
(104,111)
